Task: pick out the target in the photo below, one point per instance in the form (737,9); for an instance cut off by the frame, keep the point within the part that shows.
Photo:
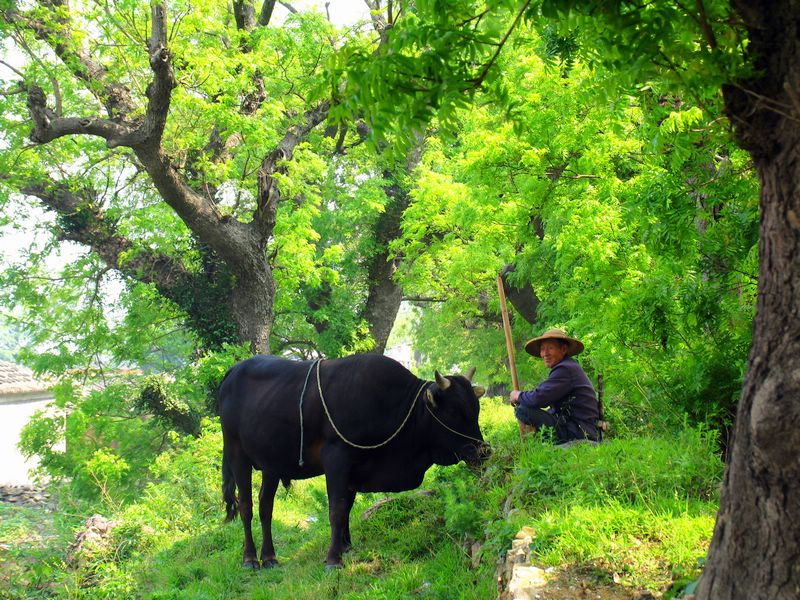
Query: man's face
(552,352)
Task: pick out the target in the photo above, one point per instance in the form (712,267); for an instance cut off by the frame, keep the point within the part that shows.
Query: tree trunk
(252,303)
(755,550)
(385,297)
(385,294)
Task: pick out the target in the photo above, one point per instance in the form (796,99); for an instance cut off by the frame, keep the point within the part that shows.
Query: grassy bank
(630,514)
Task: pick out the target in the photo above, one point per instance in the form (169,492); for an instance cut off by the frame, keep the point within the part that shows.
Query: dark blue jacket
(568,395)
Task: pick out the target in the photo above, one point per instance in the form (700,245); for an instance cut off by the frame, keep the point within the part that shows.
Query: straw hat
(574,346)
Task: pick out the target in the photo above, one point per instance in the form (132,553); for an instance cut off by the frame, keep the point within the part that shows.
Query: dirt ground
(572,584)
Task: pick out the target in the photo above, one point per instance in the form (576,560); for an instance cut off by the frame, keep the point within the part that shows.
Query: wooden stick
(512,363)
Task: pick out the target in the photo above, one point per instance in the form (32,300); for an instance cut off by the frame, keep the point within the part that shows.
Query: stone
(25,495)
(91,539)
(526,581)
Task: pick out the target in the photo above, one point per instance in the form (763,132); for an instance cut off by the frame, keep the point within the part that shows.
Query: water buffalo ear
(479,390)
(470,374)
(442,382)
(429,399)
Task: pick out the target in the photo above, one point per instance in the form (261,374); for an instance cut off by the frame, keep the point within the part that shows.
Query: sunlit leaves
(614,209)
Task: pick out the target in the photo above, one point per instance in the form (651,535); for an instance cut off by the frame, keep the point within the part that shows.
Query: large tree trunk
(755,550)
(385,295)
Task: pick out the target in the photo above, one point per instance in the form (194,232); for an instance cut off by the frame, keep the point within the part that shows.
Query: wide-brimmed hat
(574,346)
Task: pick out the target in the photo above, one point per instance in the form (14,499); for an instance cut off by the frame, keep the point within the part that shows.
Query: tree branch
(83,221)
(266,13)
(48,126)
(288,7)
(275,163)
(485,71)
(704,24)
(116,98)
(146,137)
(379,22)
(229,238)
(245,14)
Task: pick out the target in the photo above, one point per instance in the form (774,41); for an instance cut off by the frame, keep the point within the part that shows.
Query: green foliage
(239,94)
(429,64)
(618,197)
(625,215)
(462,516)
(105,430)
(155,399)
(206,300)
(94,444)
(33,543)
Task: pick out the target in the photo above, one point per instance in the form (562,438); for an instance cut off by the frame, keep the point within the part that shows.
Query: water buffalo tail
(228,487)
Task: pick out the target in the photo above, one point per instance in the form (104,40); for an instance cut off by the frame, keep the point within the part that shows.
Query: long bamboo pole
(512,363)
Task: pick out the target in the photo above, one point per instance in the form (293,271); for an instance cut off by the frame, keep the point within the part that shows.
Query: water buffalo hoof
(269,563)
(251,563)
(333,566)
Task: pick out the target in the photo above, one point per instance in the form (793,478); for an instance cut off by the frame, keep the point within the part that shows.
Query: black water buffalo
(365,422)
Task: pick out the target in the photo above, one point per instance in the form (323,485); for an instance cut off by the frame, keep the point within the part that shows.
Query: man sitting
(566,400)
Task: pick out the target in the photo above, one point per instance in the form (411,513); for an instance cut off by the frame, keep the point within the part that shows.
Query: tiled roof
(16,379)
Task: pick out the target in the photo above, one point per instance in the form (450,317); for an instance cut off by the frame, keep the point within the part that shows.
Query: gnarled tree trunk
(755,550)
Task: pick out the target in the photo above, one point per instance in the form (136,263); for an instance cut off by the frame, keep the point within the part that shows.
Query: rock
(25,495)
(525,581)
(92,539)
(517,578)
(475,555)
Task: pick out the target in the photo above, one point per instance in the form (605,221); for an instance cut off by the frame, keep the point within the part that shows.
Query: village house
(21,395)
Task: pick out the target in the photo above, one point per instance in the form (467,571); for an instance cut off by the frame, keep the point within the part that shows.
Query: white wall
(13,416)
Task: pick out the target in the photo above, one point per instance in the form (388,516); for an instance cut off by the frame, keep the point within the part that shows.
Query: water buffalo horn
(443,382)
(470,374)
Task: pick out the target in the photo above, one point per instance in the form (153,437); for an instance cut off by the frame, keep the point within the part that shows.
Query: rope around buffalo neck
(316,363)
(450,429)
(391,437)
(353,444)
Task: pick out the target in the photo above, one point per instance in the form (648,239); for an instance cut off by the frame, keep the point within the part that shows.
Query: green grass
(631,513)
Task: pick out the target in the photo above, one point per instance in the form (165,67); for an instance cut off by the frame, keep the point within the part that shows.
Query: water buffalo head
(453,407)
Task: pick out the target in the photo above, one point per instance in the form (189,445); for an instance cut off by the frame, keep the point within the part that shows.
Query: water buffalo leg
(336,465)
(266,499)
(243,474)
(348,542)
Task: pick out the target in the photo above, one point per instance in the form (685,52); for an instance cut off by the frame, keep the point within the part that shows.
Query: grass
(630,514)
(33,543)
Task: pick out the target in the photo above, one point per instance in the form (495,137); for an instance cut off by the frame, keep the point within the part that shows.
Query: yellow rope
(464,435)
(359,446)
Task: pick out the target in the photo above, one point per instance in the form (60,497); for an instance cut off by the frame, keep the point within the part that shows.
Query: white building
(21,395)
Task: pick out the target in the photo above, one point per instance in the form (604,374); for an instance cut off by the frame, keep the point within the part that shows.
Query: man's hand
(515,397)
